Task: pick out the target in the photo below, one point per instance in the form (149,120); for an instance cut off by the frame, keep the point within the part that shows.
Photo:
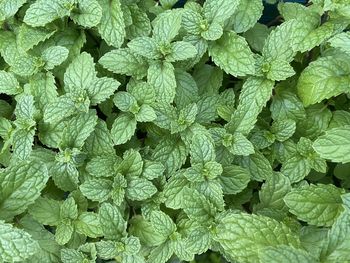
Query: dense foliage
(135,131)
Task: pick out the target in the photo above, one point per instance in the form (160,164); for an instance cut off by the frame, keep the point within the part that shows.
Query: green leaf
(123,128)
(279,43)
(246,15)
(69,209)
(336,246)
(181,50)
(162,223)
(202,149)
(167,25)
(162,77)
(296,168)
(64,232)
(65,176)
(49,249)
(89,13)
(174,192)
(54,56)
(232,53)
(241,145)
(286,254)
(219,10)
(334,145)
(171,152)
(145,231)
(152,170)
(140,189)
(111,26)
(125,102)
(46,211)
(161,254)
(234,179)
(273,191)
(69,255)
(324,78)
(318,205)
(286,104)
(145,46)
(243,237)
(21,185)
(15,244)
(9,8)
(106,249)
(254,95)
(59,109)
(96,189)
(102,89)
(146,114)
(112,222)
(124,61)
(214,32)
(197,207)
(279,70)
(341,41)
(283,129)
(100,141)
(78,129)
(22,143)
(43,12)
(258,166)
(25,107)
(43,89)
(8,83)
(88,224)
(80,74)
(28,37)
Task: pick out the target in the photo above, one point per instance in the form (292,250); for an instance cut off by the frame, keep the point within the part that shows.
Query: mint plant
(149,132)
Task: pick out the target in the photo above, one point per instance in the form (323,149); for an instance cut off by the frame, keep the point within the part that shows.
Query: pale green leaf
(243,236)
(246,15)
(254,95)
(334,145)
(286,254)
(162,77)
(124,61)
(8,83)
(89,13)
(112,222)
(219,10)
(21,185)
(80,74)
(318,205)
(111,26)
(42,12)
(232,53)
(123,128)
(324,78)
(54,56)
(15,244)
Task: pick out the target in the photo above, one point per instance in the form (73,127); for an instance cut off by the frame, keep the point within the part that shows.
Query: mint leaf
(21,185)
(318,205)
(8,83)
(255,93)
(224,53)
(42,12)
(334,144)
(332,70)
(243,236)
(112,27)
(123,128)
(15,244)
